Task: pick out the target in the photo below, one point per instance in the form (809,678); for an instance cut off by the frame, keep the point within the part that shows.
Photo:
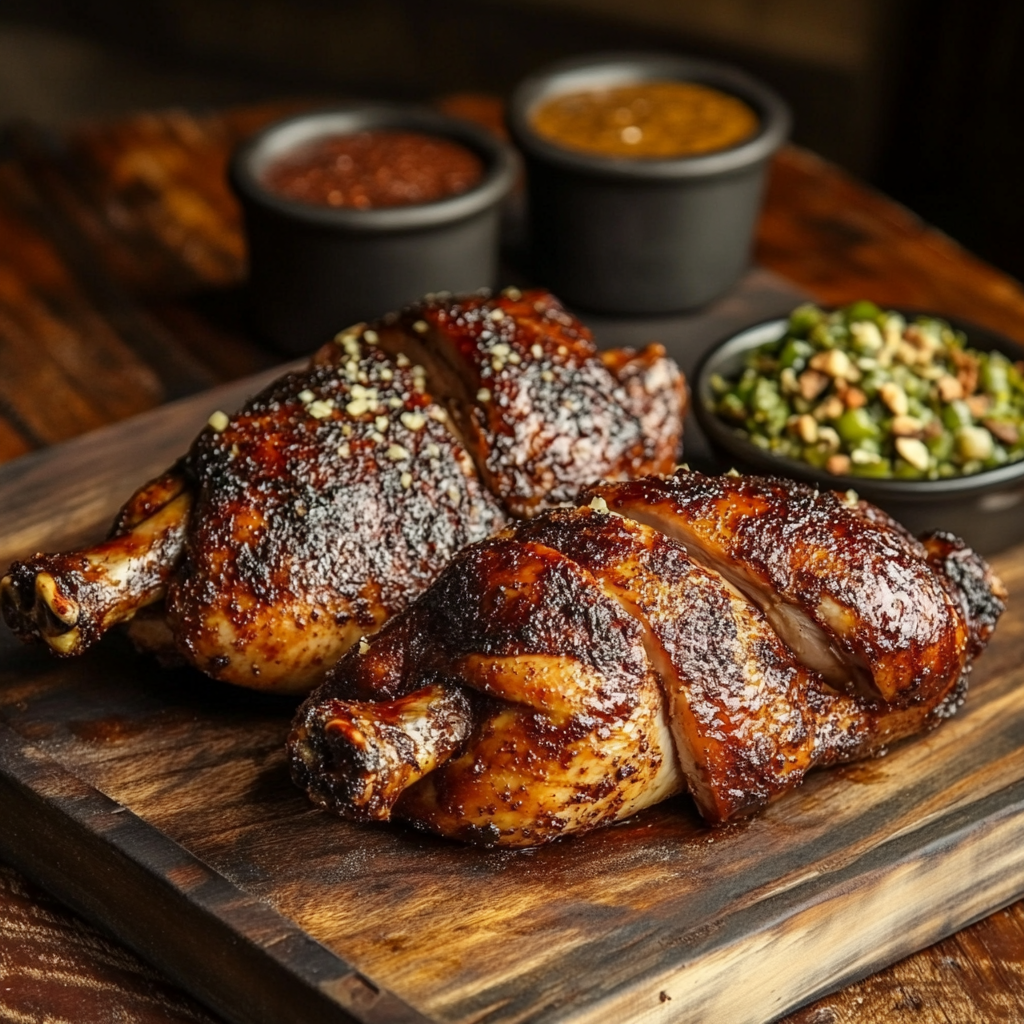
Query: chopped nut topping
(515,358)
(382,423)
(834,362)
(862,457)
(402,360)
(483,395)
(433,451)
(421,327)
(1002,430)
(547,376)
(854,398)
(830,409)
(979,405)
(812,383)
(906,426)
(395,402)
(497,314)
(949,388)
(598,504)
(386,373)
(357,407)
(454,496)
(867,335)
(829,437)
(344,449)
(377,437)
(501,350)
(894,397)
(536,350)
(218,421)
(974,442)
(321,408)
(352,332)
(838,464)
(363,645)
(913,451)
(406,480)
(807,429)
(413,420)
(346,429)
(436,412)
(370,337)
(306,396)
(396,453)
(513,293)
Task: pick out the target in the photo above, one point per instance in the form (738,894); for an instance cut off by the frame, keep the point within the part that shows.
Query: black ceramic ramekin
(316,269)
(626,235)
(986,509)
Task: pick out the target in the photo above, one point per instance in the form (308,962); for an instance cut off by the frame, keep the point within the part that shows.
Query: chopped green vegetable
(861,391)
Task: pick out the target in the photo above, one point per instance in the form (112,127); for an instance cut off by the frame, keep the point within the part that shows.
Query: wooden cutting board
(158,803)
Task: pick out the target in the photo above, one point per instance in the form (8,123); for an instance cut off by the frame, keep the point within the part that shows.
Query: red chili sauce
(375,168)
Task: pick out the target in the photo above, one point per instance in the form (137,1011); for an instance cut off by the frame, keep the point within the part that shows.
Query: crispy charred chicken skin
(327,503)
(595,660)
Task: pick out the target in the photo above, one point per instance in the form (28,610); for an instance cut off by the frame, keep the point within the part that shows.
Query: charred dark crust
(979,592)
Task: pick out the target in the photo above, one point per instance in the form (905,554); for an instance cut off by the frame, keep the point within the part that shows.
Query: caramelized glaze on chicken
(333,498)
(604,665)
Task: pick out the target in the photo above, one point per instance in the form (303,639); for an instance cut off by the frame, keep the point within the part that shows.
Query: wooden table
(120,265)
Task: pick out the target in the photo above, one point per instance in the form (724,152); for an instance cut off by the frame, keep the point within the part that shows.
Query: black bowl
(628,235)
(986,509)
(316,269)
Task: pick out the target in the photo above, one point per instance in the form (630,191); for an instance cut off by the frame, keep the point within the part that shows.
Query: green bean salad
(865,392)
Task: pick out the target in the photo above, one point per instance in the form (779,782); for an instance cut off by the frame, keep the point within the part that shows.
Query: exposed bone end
(55,611)
(36,607)
(357,758)
(12,606)
(69,600)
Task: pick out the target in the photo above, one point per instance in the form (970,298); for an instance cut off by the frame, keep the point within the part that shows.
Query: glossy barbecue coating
(605,658)
(539,409)
(850,591)
(570,730)
(327,503)
(70,599)
(320,510)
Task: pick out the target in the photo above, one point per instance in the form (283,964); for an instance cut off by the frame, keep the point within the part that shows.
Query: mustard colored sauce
(649,120)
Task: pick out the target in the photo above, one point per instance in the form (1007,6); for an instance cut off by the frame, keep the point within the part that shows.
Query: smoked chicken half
(324,506)
(718,634)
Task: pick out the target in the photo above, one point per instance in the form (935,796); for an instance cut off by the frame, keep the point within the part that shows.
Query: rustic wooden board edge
(102,860)
(973,855)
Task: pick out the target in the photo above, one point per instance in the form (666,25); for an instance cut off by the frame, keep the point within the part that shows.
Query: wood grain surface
(125,248)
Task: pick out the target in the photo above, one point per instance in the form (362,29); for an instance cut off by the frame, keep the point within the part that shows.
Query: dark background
(922,98)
